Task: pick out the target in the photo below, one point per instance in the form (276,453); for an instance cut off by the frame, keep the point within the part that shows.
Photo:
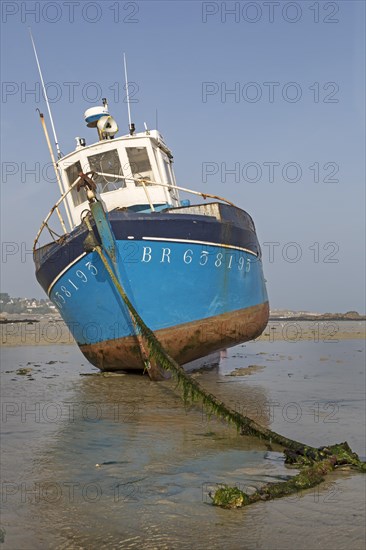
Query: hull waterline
(184,343)
(196,281)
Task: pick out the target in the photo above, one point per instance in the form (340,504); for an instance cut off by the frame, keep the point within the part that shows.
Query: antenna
(54,163)
(45,95)
(131,125)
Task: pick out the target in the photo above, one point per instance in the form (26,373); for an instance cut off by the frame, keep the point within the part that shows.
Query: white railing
(145,184)
(54,207)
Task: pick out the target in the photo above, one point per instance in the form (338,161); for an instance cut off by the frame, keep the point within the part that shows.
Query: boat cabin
(133,171)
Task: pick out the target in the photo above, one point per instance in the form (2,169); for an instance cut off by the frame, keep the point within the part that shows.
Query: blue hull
(197,295)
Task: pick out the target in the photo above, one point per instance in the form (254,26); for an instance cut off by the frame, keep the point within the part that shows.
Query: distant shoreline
(53,331)
(271,318)
(332,317)
(16,318)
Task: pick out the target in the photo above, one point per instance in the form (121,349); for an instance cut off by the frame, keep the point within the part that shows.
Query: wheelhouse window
(108,171)
(72,173)
(138,159)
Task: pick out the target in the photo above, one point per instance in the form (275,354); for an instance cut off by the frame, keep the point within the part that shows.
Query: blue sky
(291,133)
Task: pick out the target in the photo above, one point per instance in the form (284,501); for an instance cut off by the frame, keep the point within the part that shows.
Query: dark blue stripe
(236,229)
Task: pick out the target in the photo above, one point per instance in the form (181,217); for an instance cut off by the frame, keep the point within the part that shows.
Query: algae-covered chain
(313,463)
(312,472)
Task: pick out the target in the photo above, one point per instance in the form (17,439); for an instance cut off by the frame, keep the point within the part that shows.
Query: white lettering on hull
(163,255)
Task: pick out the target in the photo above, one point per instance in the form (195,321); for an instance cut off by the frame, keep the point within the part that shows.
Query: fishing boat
(191,270)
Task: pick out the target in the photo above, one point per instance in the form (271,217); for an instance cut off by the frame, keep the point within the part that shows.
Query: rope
(313,463)
(153,370)
(52,233)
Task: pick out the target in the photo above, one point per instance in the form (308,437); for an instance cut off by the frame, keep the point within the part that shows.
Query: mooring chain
(313,463)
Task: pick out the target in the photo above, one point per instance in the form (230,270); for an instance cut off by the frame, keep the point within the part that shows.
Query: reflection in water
(117,462)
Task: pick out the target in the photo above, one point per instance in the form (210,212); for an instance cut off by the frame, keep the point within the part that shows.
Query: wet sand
(115,461)
(51,330)
(313,331)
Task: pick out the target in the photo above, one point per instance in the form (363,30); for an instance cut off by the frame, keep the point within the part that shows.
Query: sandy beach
(51,330)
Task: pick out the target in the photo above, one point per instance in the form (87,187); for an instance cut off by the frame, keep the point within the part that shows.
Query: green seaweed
(312,473)
(23,371)
(230,497)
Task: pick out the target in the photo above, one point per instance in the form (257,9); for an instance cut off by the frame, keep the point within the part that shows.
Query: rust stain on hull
(185,342)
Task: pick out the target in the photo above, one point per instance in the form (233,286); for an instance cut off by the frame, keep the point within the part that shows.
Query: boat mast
(54,164)
(131,124)
(45,95)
